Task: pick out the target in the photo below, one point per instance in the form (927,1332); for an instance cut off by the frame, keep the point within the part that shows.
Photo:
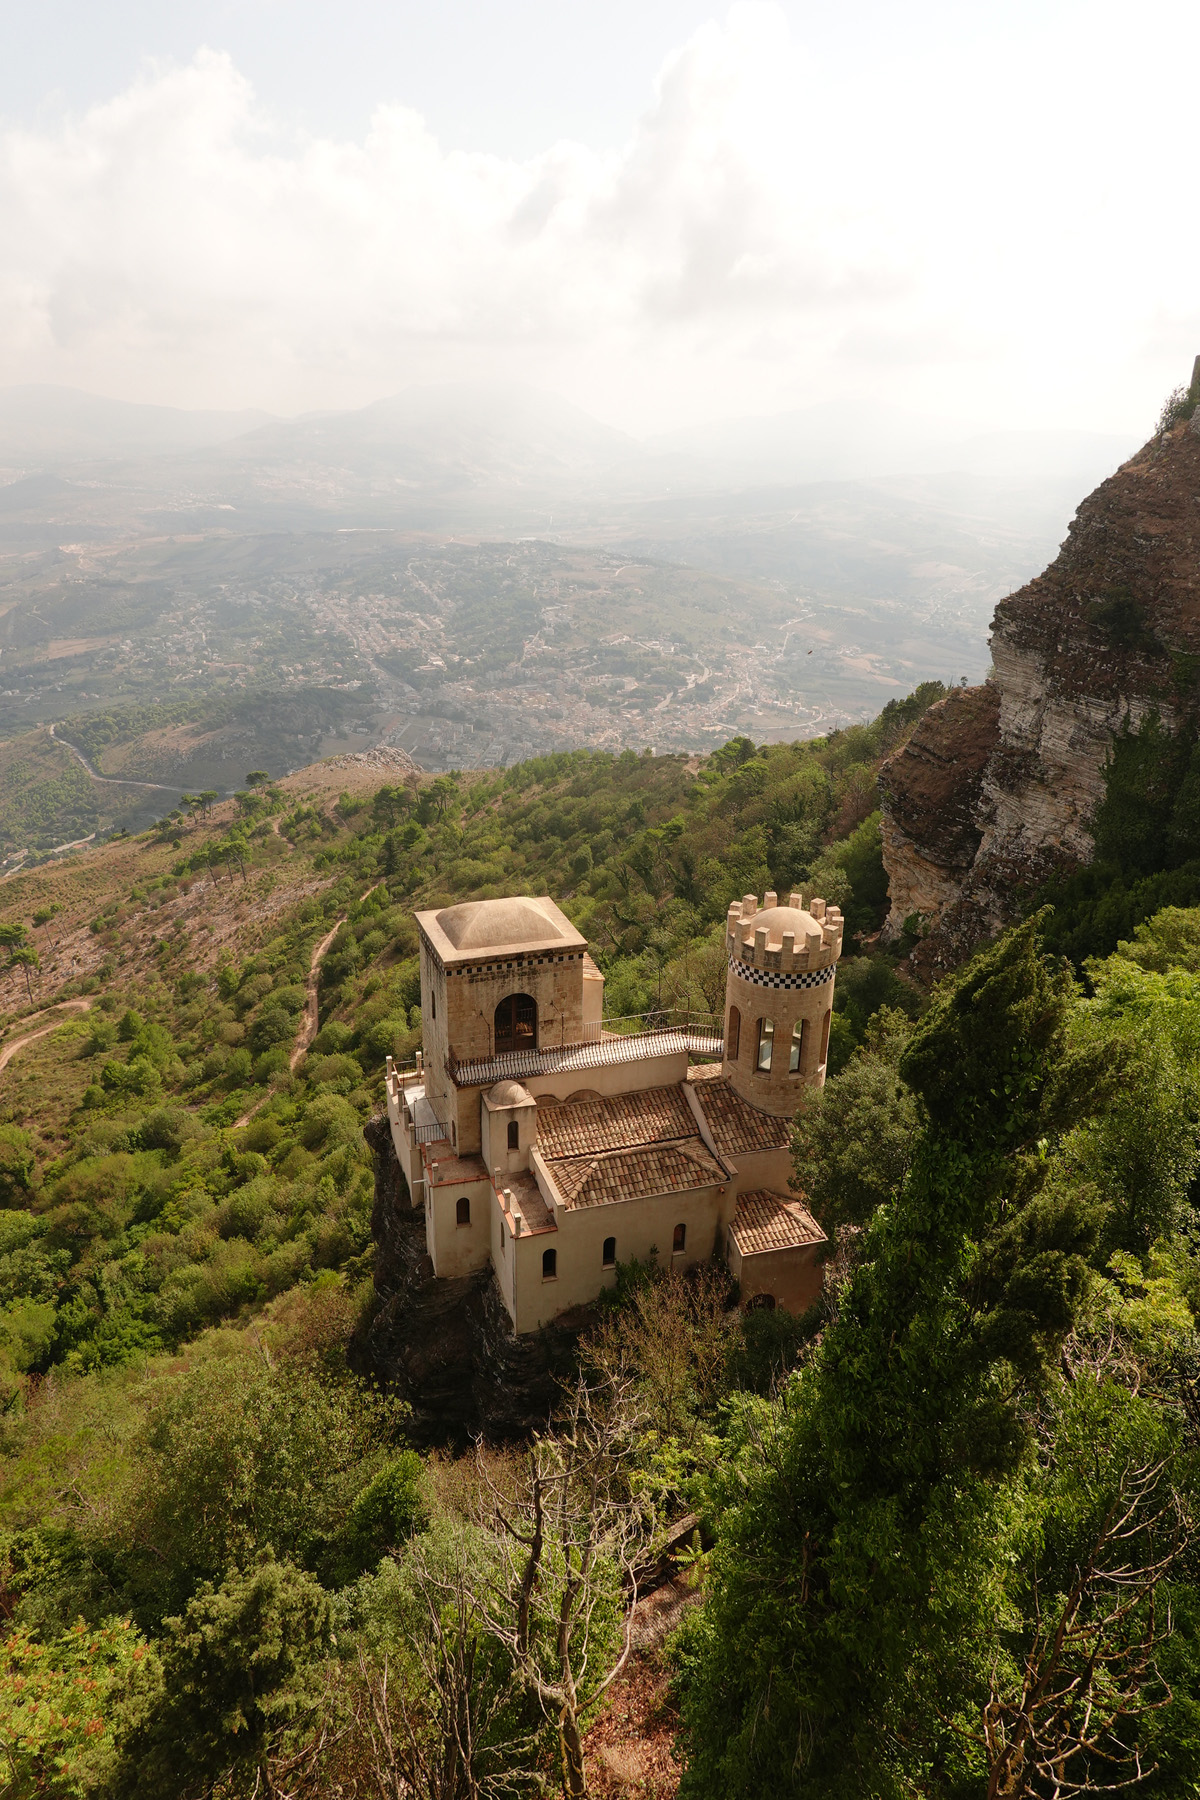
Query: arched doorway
(516,1023)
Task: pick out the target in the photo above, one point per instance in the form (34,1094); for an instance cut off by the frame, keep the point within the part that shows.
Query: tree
(18,1169)
(25,957)
(569,1539)
(851,1588)
(1089,1673)
(391,805)
(241,1693)
(257,778)
(12,936)
(208,799)
(854,1140)
(441,1706)
(61,1703)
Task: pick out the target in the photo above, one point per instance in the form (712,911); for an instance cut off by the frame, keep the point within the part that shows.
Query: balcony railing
(667,1018)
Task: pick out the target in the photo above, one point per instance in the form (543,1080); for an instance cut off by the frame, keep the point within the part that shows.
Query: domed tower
(778,998)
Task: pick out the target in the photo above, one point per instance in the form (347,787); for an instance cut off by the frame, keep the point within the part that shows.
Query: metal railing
(665,1018)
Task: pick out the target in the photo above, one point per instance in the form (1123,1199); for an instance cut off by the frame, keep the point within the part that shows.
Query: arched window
(761,1303)
(825,1035)
(796,1054)
(733,1036)
(516,1023)
(549,1265)
(608,1257)
(462,1211)
(679,1243)
(514,1135)
(766,1039)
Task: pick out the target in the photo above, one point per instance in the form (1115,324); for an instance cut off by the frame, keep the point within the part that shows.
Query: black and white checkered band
(776,978)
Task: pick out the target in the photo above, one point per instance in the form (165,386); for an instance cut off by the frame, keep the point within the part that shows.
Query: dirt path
(308,1022)
(309,1017)
(10,1050)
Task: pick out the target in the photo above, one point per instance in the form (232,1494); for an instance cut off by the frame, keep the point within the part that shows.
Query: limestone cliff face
(972,822)
(931,789)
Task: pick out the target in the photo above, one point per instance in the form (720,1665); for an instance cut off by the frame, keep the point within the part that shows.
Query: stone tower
(778,998)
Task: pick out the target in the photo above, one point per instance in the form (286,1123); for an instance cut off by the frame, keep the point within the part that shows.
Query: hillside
(212,1509)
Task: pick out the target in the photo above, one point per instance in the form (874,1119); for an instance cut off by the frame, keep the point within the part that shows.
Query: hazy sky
(665,212)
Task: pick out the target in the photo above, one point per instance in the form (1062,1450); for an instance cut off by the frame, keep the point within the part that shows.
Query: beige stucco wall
(615,1078)
(458,1249)
(407,1154)
(641,1227)
(494,1123)
(793,1276)
(593,997)
(439,1090)
(503,1253)
(762,1169)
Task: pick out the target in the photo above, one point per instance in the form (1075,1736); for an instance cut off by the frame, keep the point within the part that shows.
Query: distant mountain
(42,425)
(836,442)
(443,440)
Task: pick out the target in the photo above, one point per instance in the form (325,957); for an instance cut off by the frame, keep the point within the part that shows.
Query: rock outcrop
(447,1347)
(997,786)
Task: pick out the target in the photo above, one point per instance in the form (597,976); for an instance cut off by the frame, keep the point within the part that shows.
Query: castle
(550,1144)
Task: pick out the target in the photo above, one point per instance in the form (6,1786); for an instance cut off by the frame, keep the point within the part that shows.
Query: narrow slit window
(549,1265)
(733,1036)
(463,1211)
(825,1036)
(679,1243)
(766,1040)
(608,1259)
(514,1135)
(796,1055)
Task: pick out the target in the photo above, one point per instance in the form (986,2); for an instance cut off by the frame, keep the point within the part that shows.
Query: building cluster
(551,1147)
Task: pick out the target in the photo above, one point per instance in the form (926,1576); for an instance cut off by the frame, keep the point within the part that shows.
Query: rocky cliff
(997,786)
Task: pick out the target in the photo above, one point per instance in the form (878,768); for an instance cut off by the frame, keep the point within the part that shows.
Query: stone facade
(779,997)
(548,1149)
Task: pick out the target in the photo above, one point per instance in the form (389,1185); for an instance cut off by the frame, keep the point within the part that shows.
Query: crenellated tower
(779,998)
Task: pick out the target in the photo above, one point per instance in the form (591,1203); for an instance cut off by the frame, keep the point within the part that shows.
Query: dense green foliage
(1147,833)
(1005,1377)
(226,1572)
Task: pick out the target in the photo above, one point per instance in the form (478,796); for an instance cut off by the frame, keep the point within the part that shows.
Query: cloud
(171,240)
(771,230)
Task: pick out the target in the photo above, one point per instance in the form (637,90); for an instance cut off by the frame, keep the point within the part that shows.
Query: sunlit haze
(663,214)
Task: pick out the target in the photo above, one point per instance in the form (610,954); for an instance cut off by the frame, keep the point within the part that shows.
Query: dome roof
(510,1093)
(518,919)
(777,920)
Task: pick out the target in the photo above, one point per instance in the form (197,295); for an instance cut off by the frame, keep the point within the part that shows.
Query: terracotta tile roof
(529,1203)
(735,1124)
(766,1221)
(635,1174)
(617,1122)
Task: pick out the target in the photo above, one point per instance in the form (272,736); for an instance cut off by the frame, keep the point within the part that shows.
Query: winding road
(110,780)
